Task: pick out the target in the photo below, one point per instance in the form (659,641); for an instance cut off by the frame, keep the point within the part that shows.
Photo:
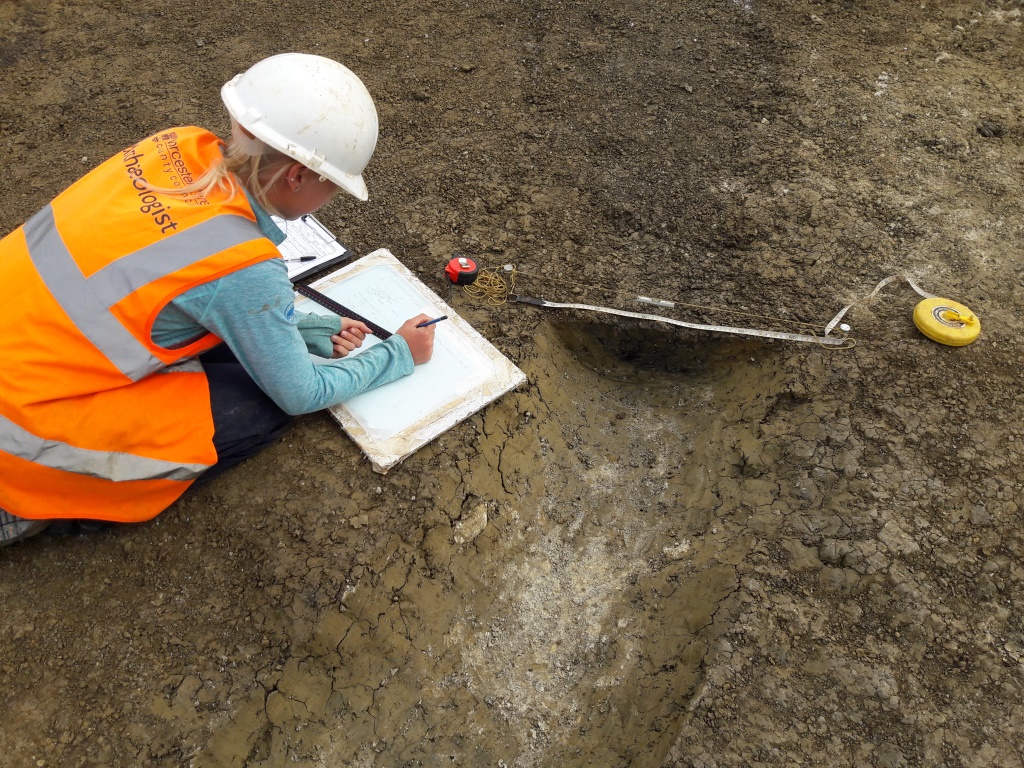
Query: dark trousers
(245,420)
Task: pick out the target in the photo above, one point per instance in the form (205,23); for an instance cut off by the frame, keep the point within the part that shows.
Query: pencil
(425,323)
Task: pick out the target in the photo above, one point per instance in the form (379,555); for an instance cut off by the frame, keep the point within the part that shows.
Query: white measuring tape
(807,338)
(880,286)
(829,340)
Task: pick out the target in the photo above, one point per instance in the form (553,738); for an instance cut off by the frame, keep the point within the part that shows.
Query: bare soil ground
(672,548)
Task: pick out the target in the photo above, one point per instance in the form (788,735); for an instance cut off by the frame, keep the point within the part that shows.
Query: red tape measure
(461,271)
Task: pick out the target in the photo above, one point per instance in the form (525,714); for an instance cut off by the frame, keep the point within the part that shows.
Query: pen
(301,258)
(425,323)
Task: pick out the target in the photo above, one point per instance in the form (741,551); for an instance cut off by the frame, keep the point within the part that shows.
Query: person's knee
(14,529)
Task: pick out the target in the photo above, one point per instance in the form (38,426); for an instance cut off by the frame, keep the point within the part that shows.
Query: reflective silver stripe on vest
(65,281)
(87,300)
(106,465)
(131,272)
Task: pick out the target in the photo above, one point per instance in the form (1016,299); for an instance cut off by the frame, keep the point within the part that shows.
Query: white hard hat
(310,108)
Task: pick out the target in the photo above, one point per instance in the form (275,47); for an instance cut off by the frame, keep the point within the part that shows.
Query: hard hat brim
(306,141)
(354,185)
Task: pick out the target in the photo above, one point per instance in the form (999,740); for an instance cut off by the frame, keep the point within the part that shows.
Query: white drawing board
(465,373)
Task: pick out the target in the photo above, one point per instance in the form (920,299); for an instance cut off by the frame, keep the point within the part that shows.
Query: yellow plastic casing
(946,322)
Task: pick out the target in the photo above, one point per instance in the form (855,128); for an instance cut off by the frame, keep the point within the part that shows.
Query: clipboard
(465,374)
(309,247)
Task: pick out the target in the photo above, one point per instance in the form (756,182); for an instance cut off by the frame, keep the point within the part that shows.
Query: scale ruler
(341,310)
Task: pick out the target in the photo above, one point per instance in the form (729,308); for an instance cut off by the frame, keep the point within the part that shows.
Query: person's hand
(349,337)
(420,340)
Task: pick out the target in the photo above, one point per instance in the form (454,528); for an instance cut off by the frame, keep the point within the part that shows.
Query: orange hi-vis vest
(96,421)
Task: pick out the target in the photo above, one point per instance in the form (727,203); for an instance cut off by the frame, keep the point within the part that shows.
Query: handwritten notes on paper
(308,247)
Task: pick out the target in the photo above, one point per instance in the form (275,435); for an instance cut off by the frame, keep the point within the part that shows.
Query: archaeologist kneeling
(149,336)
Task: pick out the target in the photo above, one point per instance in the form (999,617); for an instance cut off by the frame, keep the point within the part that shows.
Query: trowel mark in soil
(573,628)
(656,356)
(594,637)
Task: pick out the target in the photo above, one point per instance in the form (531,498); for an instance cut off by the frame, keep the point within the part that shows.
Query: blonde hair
(245,160)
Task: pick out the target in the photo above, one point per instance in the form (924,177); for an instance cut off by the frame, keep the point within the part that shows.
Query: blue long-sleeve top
(253,311)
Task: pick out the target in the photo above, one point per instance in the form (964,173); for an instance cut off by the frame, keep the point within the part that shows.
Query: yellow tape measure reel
(946,322)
